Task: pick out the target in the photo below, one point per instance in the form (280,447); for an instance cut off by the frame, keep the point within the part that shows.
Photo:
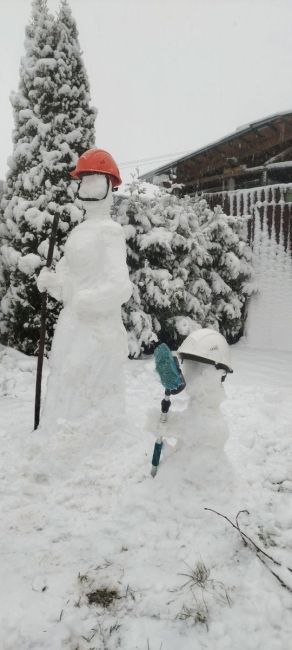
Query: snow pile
(98,554)
(16,372)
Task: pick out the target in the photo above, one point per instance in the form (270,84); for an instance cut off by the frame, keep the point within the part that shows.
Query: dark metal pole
(38,386)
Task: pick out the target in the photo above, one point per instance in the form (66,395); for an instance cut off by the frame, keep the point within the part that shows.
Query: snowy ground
(78,516)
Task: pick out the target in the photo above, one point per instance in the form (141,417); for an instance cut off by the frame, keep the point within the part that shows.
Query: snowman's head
(94,187)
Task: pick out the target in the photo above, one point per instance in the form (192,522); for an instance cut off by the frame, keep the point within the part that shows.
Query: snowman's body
(195,418)
(203,424)
(90,343)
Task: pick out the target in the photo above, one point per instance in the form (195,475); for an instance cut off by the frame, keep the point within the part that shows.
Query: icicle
(251,210)
(289,237)
(274,229)
(252,202)
(245,201)
(265,206)
(231,197)
(257,234)
(237,203)
(265,191)
(281,234)
(258,193)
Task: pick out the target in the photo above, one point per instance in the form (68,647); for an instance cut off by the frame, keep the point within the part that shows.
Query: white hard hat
(208,346)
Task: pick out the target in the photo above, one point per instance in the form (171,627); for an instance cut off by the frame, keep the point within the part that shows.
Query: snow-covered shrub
(54,123)
(166,253)
(190,267)
(133,213)
(189,248)
(229,272)
(176,247)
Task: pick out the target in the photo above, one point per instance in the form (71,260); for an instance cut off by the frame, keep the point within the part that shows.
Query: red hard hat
(97,161)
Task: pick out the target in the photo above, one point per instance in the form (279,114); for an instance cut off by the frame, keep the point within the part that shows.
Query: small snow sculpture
(198,430)
(90,344)
(206,361)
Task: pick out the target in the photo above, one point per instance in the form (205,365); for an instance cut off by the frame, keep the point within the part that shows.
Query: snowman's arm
(54,282)
(118,272)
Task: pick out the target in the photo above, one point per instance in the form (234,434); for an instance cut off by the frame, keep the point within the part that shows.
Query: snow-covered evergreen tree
(189,248)
(162,294)
(54,123)
(133,213)
(166,254)
(230,270)
(190,267)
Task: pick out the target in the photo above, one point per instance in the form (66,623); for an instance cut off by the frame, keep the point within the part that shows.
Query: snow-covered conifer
(230,270)
(189,265)
(162,294)
(75,116)
(166,255)
(133,213)
(54,123)
(190,256)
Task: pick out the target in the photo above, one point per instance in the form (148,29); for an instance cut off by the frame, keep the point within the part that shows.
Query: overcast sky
(167,76)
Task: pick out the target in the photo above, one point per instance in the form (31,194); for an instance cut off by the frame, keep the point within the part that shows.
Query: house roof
(266,135)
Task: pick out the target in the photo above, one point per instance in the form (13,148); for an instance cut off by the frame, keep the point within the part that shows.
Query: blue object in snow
(156,453)
(168,369)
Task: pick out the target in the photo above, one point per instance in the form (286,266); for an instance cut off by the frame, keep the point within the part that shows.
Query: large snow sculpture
(90,343)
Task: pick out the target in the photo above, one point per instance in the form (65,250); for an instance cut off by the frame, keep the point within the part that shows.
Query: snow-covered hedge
(190,266)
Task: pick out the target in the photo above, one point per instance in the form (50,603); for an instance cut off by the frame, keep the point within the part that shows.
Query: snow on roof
(263,121)
(239,131)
